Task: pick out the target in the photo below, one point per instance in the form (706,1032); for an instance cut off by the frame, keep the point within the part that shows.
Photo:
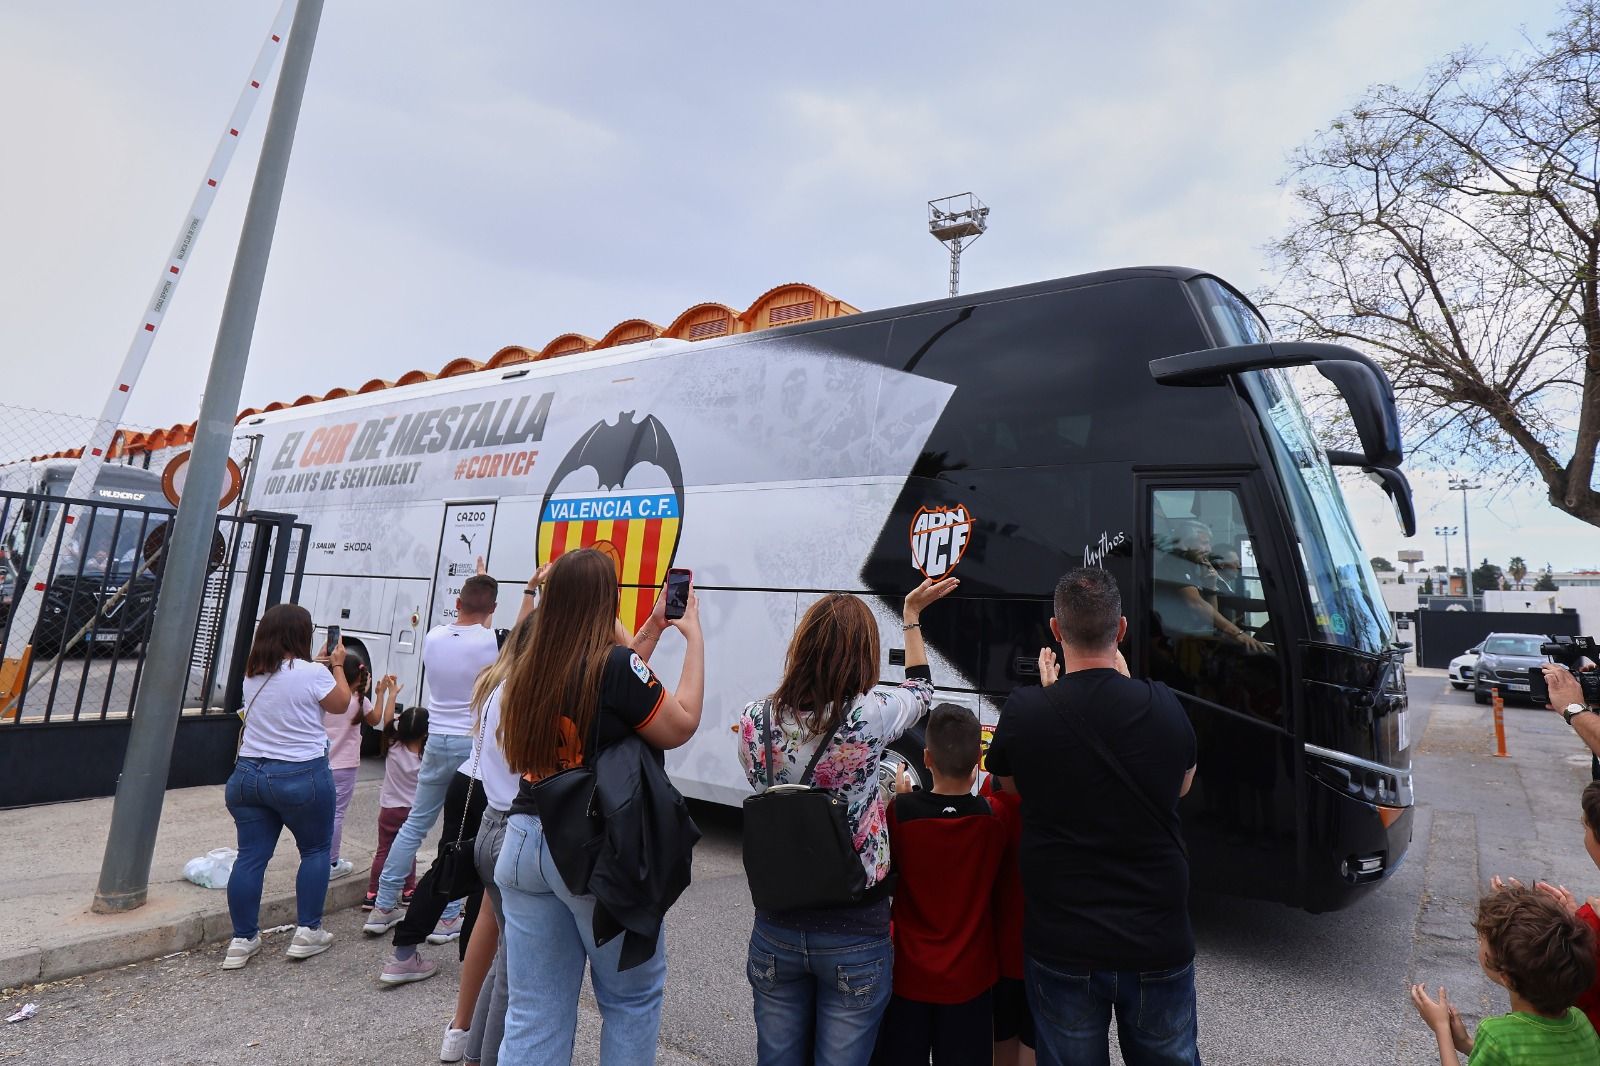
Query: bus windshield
(1346,602)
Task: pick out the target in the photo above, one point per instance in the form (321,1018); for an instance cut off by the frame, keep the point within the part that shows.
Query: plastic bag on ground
(211,870)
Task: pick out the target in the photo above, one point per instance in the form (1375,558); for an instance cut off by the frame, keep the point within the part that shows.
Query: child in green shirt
(1530,945)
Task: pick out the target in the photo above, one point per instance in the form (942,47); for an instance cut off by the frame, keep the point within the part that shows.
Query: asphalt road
(1275,985)
(90,687)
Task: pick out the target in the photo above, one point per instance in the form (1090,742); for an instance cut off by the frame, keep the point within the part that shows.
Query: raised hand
(1049,667)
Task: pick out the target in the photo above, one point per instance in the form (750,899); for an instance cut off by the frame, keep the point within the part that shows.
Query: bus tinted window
(1053,378)
(1210,633)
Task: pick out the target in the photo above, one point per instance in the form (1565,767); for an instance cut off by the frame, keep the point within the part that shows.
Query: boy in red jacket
(947,846)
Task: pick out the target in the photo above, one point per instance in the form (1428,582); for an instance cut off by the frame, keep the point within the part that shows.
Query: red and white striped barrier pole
(25,613)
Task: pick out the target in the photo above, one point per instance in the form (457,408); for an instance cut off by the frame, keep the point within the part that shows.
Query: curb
(185,932)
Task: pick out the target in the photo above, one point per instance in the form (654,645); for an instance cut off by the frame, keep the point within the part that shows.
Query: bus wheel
(904,754)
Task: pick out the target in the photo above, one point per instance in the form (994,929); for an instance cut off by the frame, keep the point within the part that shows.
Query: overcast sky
(471,176)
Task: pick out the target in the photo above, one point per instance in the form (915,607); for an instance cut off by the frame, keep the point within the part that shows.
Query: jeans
(818,996)
(489,1019)
(441,758)
(344,790)
(1072,1010)
(264,795)
(548,934)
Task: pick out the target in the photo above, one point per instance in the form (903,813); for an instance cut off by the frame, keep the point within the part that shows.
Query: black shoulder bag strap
(816,756)
(1090,735)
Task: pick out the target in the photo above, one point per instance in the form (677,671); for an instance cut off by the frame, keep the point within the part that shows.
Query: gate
(1442,635)
(64,723)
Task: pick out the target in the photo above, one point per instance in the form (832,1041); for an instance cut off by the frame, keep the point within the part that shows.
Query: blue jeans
(264,795)
(441,758)
(818,996)
(548,934)
(1072,1011)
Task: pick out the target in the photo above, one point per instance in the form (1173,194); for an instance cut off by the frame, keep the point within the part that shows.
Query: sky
(471,176)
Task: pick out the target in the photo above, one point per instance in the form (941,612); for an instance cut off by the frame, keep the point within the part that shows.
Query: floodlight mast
(955,222)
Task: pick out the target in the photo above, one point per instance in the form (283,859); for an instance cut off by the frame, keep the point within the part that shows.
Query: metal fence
(65,727)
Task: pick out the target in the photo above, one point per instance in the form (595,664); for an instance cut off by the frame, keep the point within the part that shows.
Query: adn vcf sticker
(939,538)
(619,490)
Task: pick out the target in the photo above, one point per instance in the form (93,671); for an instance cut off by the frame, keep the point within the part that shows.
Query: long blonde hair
(558,676)
(495,673)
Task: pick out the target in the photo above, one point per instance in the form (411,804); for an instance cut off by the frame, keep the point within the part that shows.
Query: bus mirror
(1361,382)
(1393,482)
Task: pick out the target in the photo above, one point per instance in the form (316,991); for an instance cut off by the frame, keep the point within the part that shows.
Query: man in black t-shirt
(1104,876)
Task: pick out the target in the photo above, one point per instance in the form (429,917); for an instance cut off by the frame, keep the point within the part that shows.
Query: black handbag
(455,871)
(570,817)
(799,853)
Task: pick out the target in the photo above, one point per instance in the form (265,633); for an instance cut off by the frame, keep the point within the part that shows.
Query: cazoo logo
(939,538)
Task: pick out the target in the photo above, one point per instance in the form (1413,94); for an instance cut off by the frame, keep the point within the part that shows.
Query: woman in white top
(282,778)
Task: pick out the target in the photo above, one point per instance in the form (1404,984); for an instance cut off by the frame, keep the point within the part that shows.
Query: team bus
(100,592)
(1141,420)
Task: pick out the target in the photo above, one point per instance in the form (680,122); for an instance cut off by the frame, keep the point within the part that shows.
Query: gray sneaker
(241,951)
(340,869)
(404,971)
(380,921)
(308,942)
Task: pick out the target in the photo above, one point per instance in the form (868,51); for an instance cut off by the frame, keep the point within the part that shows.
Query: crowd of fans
(1004,917)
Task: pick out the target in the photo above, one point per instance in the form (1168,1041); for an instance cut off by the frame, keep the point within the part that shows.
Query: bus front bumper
(1354,845)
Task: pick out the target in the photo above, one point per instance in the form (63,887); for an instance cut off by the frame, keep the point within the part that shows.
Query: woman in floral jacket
(822,978)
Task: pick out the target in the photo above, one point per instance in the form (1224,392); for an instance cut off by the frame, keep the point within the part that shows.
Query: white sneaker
(454,1045)
(380,921)
(340,869)
(240,951)
(447,930)
(308,942)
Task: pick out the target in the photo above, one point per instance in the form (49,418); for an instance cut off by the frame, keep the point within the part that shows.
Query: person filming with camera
(1575,699)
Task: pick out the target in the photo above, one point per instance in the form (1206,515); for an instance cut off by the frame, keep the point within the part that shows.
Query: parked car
(1504,664)
(1463,666)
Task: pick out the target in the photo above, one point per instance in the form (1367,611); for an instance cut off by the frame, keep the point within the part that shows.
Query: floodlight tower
(955,222)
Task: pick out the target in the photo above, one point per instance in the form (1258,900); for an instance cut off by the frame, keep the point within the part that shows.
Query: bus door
(463,540)
(1208,621)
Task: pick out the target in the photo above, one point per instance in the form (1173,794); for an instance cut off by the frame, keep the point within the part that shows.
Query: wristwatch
(1572,710)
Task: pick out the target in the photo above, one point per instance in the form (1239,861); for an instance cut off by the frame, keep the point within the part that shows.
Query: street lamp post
(1463,486)
(1446,532)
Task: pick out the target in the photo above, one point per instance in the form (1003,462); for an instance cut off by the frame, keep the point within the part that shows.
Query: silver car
(1504,663)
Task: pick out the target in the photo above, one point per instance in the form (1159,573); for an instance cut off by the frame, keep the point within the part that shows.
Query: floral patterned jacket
(850,765)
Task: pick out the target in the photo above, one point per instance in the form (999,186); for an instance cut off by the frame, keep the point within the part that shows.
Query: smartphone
(334,634)
(678,584)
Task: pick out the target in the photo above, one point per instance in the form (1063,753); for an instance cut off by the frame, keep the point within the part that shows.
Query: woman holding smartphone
(575,691)
(282,778)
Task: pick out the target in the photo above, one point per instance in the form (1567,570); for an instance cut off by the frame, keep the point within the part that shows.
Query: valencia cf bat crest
(619,490)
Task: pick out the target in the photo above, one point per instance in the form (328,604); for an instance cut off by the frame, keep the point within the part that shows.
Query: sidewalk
(50,864)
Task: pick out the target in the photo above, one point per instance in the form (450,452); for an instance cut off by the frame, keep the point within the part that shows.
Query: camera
(1568,651)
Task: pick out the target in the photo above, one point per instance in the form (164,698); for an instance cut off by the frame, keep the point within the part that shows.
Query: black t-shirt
(630,697)
(1106,886)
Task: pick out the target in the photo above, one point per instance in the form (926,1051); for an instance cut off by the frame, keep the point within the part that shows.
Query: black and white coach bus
(1141,420)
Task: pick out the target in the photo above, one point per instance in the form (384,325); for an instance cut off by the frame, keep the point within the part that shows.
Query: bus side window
(1210,633)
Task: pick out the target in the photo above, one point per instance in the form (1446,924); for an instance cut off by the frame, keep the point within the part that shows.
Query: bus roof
(783,310)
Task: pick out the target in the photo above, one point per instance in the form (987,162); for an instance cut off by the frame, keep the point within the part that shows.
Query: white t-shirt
(284,713)
(499,783)
(454,656)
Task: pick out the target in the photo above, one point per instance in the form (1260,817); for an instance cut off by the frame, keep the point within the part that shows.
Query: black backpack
(799,853)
